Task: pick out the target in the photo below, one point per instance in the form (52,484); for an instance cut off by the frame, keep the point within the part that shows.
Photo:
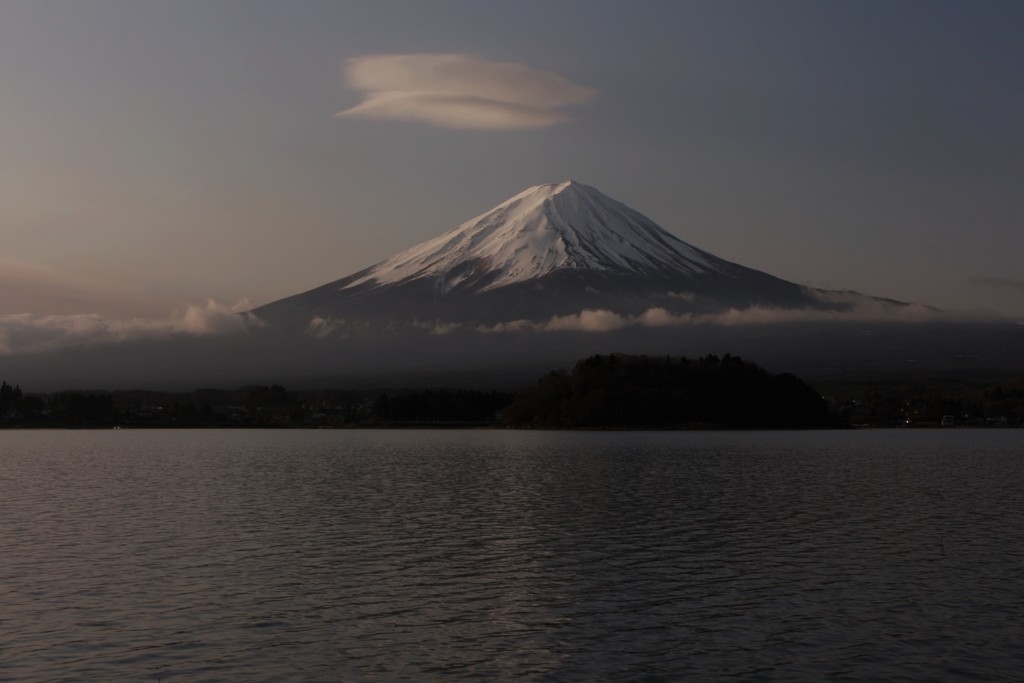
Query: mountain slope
(565,226)
(551,250)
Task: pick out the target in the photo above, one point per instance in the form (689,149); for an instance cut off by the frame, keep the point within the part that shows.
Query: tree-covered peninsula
(644,392)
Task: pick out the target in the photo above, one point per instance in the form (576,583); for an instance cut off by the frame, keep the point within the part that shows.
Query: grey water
(215,555)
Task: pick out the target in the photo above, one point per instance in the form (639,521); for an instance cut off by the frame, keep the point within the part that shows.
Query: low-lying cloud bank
(31,333)
(839,307)
(340,328)
(460,91)
(602,320)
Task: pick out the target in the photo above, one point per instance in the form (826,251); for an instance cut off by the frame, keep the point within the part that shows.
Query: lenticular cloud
(460,91)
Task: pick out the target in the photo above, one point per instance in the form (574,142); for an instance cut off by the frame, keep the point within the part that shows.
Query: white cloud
(460,91)
(323,327)
(31,333)
(600,320)
(659,317)
(440,329)
(591,320)
(243,305)
(213,318)
(588,321)
(338,328)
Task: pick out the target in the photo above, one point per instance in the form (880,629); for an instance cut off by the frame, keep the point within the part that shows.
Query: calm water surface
(494,555)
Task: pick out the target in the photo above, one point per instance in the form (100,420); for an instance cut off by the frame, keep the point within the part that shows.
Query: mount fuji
(554,274)
(551,250)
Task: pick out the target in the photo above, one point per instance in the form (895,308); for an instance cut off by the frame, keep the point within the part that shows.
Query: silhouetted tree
(646,392)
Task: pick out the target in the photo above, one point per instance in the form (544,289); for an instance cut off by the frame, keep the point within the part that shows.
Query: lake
(497,555)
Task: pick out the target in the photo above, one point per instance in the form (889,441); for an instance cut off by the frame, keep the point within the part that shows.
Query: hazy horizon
(173,163)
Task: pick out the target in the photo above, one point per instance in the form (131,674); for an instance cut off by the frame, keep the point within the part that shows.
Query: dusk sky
(158,155)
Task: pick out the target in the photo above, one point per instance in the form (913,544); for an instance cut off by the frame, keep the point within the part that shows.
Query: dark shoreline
(601,393)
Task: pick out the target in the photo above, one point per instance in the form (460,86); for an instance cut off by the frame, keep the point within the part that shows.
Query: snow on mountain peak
(543,229)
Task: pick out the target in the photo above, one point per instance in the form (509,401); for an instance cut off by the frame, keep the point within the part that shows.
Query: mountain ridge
(551,250)
(542,229)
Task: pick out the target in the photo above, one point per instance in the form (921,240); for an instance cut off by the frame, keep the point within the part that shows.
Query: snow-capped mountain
(522,289)
(551,250)
(546,228)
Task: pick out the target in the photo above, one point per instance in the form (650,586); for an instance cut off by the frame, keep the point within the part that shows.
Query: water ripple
(415,556)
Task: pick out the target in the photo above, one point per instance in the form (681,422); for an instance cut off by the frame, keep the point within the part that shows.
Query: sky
(191,158)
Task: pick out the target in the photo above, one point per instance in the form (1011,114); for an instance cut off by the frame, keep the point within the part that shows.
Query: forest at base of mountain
(644,392)
(614,391)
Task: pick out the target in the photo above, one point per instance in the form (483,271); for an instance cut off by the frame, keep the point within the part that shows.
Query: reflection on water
(493,555)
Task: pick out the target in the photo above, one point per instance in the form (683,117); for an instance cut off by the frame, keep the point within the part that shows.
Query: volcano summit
(551,250)
(545,278)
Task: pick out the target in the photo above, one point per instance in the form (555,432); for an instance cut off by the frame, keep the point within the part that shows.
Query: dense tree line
(929,403)
(439,406)
(15,405)
(616,391)
(250,406)
(635,392)
(9,394)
